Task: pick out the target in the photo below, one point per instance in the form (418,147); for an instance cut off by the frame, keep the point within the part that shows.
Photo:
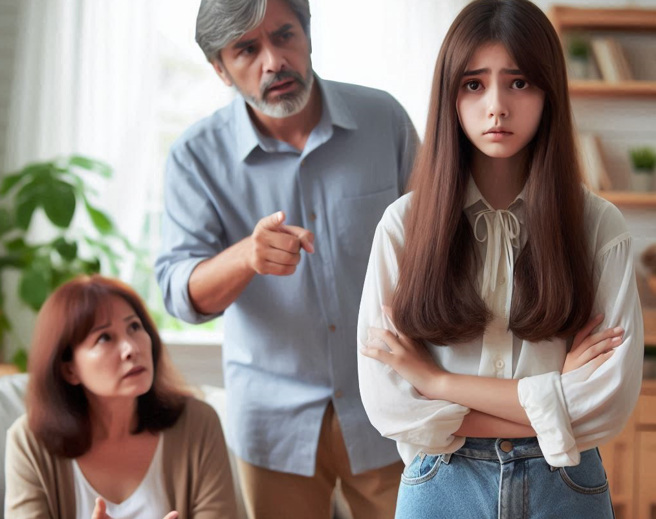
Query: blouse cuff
(542,398)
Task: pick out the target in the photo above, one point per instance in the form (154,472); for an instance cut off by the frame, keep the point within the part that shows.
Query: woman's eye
(520,84)
(135,326)
(104,337)
(473,85)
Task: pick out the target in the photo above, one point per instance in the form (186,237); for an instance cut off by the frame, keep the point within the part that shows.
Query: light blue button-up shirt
(290,341)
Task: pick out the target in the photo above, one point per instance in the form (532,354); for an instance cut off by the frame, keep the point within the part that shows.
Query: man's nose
(273,60)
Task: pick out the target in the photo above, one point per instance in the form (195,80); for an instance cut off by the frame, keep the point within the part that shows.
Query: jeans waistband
(500,449)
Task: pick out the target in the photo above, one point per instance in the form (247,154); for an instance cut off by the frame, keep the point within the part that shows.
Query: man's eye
(247,51)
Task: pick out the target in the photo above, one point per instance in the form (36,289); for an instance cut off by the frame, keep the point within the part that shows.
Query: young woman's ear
(68,372)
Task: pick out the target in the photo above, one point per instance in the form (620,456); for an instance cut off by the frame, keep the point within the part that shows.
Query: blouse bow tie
(502,235)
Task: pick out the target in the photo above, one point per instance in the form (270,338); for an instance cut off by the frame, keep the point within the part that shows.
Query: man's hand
(100,511)
(594,348)
(276,248)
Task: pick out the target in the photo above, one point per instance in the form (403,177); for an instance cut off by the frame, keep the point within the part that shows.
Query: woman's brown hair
(58,412)
(436,297)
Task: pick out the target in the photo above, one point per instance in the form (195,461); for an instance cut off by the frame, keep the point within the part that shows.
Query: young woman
(109,434)
(479,355)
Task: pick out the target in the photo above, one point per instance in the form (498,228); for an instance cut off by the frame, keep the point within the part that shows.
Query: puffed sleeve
(585,407)
(191,232)
(393,406)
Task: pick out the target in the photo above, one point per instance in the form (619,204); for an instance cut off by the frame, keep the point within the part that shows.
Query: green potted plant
(75,237)
(578,51)
(643,163)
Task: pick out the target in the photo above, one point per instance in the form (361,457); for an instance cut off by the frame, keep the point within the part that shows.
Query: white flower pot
(642,181)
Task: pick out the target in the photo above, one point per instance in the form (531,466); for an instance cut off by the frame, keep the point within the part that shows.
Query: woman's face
(499,110)
(115,359)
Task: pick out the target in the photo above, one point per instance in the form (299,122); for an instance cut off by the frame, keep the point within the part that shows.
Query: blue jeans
(502,479)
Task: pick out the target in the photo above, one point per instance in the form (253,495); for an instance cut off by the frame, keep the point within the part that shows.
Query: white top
(570,413)
(148,500)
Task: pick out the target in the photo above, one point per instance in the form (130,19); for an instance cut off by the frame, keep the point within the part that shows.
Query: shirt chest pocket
(357,218)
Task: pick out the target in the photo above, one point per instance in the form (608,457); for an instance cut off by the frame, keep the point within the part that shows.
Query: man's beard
(284,105)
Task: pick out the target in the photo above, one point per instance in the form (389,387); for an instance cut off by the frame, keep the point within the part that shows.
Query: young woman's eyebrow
(481,71)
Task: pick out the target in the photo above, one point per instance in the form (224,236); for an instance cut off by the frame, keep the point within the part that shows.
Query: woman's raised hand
(593,348)
(100,511)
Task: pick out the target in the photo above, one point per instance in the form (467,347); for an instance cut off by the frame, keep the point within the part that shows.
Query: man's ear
(218,66)
(69,374)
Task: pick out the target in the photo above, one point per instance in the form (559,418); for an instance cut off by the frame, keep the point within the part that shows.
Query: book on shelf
(595,174)
(611,60)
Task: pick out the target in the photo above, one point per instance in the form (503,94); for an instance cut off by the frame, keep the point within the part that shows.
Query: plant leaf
(91,165)
(60,204)
(9,182)
(6,224)
(34,287)
(66,249)
(24,211)
(100,219)
(19,359)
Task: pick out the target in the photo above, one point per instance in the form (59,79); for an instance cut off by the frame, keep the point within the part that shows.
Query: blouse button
(499,364)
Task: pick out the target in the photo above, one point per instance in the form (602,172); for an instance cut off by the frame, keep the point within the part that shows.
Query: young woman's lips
(498,135)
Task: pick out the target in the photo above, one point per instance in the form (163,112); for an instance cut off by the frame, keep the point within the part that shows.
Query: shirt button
(313,216)
(506,446)
(303,162)
(338,394)
(332,327)
(499,364)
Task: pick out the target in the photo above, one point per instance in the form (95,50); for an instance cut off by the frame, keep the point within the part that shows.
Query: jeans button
(506,446)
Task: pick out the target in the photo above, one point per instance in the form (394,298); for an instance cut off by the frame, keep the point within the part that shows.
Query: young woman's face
(115,359)
(498,109)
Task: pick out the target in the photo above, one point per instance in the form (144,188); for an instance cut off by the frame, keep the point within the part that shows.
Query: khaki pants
(278,495)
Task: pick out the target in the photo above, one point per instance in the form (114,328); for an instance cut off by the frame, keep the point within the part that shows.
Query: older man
(271,207)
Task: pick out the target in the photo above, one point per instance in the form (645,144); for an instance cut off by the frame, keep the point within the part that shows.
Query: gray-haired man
(271,206)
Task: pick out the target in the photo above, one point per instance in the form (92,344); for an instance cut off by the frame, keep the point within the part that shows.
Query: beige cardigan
(196,471)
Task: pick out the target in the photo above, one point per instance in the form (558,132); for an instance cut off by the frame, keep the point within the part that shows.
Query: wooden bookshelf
(630,198)
(565,18)
(599,88)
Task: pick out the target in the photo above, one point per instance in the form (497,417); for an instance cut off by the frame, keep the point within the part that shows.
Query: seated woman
(109,433)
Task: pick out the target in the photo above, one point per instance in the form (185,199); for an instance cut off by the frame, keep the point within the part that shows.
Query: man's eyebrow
(480,71)
(282,30)
(243,44)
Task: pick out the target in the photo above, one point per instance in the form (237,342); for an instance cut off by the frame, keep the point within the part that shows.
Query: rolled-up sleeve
(586,407)
(393,406)
(191,233)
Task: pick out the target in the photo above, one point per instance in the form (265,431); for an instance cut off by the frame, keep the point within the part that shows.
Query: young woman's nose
(497,106)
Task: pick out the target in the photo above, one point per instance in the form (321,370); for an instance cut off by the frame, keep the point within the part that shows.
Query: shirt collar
(334,113)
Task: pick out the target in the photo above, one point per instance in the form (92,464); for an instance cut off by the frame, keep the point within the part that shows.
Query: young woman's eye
(520,84)
(473,85)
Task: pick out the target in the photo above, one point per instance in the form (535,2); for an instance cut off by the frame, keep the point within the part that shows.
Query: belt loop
(446,457)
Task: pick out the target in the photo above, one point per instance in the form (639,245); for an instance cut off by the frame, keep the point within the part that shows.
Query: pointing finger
(272,222)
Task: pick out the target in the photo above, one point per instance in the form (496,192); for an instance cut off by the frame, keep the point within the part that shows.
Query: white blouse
(148,500)
(570,413)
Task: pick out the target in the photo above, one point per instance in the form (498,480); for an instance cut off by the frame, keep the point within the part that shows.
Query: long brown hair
(436,297)
(58,412)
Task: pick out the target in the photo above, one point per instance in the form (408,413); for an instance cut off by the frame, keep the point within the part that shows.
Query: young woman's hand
(593,348)
(409,358)
(100,511)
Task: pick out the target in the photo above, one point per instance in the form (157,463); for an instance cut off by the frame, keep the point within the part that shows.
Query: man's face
(270,66)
